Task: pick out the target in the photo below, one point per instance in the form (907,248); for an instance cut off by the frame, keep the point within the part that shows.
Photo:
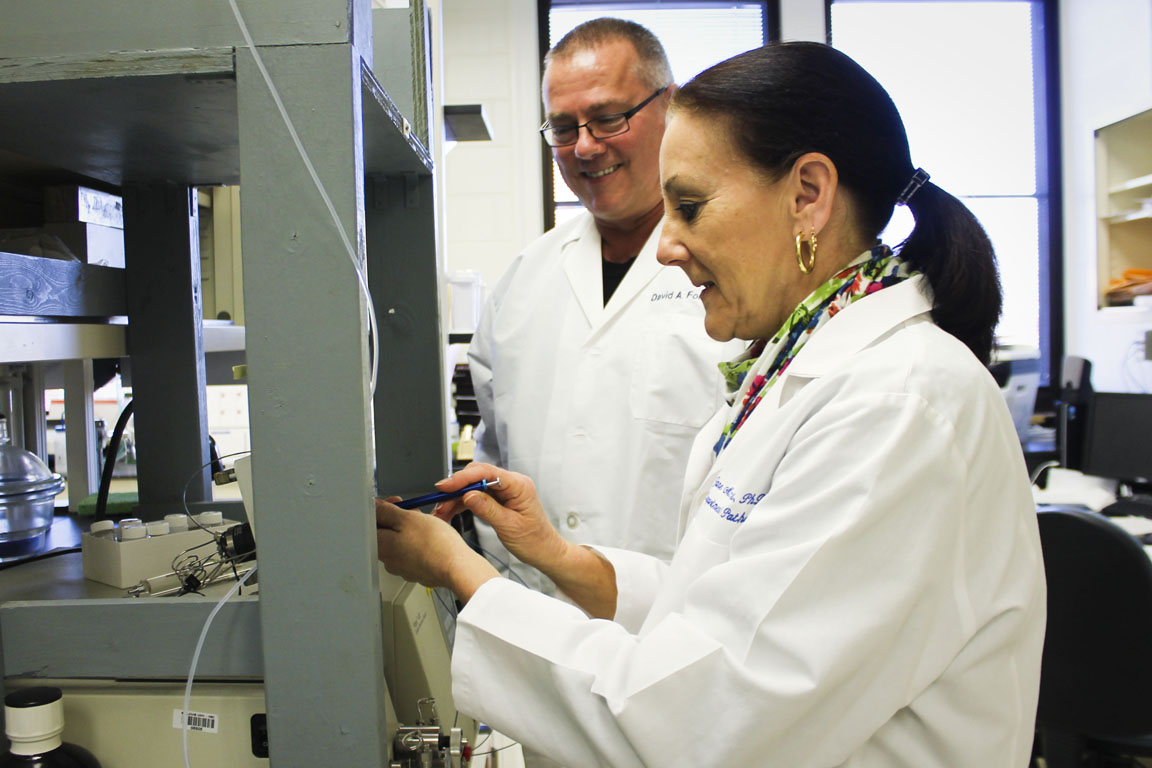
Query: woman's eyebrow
(672,184)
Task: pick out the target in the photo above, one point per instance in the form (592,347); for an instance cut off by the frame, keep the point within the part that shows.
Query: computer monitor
(1072,399)
(1118,437)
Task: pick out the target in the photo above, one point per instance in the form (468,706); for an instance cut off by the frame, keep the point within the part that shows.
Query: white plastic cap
(208,519)
(177,522)
(132,532)
(34,719)
(101,525)
(157,528)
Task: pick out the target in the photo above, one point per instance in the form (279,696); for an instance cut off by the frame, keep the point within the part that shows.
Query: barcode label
(194,721)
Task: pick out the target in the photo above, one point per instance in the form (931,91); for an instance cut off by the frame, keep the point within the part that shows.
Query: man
(591,365)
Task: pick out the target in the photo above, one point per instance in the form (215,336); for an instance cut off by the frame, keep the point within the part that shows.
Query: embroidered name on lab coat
(730,504)
(665,295)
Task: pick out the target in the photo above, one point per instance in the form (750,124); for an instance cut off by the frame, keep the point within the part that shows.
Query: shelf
(139,118)
(45,600)
(48,27)
(223,336)
(1133,185)
(52,288)
(1123,232)
(389,144)
(142,113)
(34,341)
(1123,218)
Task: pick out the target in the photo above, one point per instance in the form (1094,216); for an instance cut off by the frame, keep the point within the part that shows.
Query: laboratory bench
(63,630)
(58,624)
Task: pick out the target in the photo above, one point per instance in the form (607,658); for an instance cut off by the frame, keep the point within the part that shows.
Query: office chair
(1095,705)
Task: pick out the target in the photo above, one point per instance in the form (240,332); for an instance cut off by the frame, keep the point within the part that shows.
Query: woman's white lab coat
(599,404)
(859,584)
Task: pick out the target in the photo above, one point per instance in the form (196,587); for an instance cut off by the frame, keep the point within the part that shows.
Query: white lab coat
(859,584)
(598,404)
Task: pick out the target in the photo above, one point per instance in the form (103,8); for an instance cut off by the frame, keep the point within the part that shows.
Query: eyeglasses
(603,127)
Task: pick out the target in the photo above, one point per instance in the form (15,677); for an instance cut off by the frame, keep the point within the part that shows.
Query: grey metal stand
(308,400)
(403,277)
(182,104)
(166,346)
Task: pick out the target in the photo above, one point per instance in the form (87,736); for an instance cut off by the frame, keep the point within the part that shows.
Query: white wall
(493,199)
(494,193)
(1106,74)
(803,20)
(493,190)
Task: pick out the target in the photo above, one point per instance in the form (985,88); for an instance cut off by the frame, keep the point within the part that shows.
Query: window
(695,34)
(976,88)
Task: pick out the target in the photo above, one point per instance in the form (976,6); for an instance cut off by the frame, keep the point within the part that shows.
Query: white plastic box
(124,564)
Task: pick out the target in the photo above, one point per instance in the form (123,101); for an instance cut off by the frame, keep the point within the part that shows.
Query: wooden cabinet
(1123,200)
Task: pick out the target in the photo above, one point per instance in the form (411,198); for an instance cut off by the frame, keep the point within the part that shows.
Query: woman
(858,581)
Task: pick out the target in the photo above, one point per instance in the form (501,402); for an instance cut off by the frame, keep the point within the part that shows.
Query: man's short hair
(652,62)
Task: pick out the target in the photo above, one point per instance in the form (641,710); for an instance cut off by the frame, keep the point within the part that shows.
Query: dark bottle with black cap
(33,721)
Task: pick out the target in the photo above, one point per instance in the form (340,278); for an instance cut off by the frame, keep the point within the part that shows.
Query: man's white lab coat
(598,404)
(859,584)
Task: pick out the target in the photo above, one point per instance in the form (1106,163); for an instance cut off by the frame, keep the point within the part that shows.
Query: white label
(195,721)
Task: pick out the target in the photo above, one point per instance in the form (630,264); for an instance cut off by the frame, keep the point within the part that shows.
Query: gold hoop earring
(806,268)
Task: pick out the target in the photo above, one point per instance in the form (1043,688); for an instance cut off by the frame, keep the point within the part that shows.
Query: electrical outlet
(1148,345)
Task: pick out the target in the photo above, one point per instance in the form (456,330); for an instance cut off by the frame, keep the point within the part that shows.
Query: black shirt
(613,274)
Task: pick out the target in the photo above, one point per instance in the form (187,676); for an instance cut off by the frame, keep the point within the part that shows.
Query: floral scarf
(873,271)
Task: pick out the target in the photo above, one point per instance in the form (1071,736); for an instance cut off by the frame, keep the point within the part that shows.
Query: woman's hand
(512,509)
(421,548)
(514,512)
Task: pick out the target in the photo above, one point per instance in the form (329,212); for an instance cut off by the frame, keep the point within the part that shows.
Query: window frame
(771,33)
(1049,186)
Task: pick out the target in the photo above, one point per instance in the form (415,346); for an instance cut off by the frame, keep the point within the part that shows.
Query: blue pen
(433,498)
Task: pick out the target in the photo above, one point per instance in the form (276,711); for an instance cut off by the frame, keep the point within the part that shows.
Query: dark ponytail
(787,99)
(952,250)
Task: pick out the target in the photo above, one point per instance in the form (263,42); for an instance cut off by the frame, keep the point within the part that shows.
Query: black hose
(110,461)
(214,455)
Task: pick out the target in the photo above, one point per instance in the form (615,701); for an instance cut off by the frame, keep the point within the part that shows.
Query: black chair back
(1096,678)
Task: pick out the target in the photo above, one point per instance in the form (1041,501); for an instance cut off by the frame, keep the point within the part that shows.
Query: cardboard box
(81,204)
(91,243)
